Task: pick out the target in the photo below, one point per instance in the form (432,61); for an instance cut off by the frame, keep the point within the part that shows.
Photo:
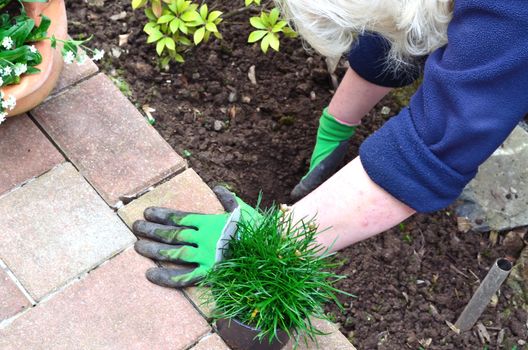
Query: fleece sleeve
(368,58)
(474,92)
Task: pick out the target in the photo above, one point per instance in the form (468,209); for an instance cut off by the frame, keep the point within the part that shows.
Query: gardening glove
(194,240)
(330,149)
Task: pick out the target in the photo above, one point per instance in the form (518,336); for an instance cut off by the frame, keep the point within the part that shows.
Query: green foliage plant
(175,26)
(18,54)
(275,276)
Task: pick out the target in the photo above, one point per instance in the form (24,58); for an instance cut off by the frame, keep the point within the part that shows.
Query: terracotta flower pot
(34,88)
(239,336)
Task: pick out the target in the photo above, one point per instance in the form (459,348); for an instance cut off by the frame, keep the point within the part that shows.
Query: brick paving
(23,145)
(12,301)
(69,278)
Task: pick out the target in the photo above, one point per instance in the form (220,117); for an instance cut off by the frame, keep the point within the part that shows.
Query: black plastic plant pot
(239,336)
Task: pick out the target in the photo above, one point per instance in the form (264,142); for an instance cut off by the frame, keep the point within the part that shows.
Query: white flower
(69,57)
(98,54)
(20,68)
(33,49)
(7,43)
(82,57)
(10,103)
(7,71)
(3,116)
(1,81)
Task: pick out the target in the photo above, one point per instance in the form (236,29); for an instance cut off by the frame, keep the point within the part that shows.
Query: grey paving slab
(55,228)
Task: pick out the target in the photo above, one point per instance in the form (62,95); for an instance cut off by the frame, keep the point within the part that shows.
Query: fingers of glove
(321,172)
(226,198)
(174,278)
(164,233)
(164,216)
(182,254)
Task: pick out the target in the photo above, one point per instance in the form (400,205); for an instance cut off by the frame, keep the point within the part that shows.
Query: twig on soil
(474,275)
(236,12)
(453,267)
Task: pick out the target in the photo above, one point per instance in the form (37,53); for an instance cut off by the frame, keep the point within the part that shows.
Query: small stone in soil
(246,99)
(117,17)
(218,125)
(233,97)
(252,75)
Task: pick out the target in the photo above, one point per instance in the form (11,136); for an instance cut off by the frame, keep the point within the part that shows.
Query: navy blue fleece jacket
(474,92)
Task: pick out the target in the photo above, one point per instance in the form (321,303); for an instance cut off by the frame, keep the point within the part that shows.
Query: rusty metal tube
(489,286)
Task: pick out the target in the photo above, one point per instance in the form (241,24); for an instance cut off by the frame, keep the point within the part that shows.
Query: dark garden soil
(408,281)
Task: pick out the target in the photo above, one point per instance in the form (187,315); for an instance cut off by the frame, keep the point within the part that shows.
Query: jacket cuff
(397,159)
(368,58)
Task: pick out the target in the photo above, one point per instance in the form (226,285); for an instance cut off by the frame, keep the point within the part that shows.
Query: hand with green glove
(330,149)
(194,240)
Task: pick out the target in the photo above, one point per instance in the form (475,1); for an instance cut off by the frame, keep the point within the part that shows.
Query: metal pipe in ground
(489,286)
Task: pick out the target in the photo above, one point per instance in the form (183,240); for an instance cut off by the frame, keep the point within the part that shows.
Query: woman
(474,92)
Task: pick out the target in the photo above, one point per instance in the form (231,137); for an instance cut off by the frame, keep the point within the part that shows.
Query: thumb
(226,198)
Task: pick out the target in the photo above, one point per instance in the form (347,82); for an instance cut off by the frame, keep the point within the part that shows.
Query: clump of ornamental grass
(275,276)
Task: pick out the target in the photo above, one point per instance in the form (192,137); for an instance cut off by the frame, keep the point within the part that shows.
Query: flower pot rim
(33,89)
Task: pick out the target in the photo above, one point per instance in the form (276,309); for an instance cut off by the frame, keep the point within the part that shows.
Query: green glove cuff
(329,135)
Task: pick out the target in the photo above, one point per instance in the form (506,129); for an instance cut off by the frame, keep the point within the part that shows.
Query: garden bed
(409,280)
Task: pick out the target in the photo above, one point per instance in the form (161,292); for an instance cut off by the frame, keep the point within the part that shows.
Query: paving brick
(12,301)
(55,228)
(73,73)
(335,340)
(185,192)
(25,152)
(114,307)
(211,342)
(107,139)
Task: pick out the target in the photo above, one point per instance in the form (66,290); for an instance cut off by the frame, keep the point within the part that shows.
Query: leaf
(274,41)
(211,27)
(264,44)
(184,41)
(160,46)
(165,19)
(199,35)
(170,44)
(278,27)
(183,27)
(40,33)
(190,16)
(178,58)
(138,3)
(204,11)
(150,14)
(256,35)
(157,8)
(274,16)
(154,36)
(257,23)
(214,15)
(150,27)
(174,25)
(289,33)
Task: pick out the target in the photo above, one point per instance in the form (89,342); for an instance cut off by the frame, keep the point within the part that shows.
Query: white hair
(412,27)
